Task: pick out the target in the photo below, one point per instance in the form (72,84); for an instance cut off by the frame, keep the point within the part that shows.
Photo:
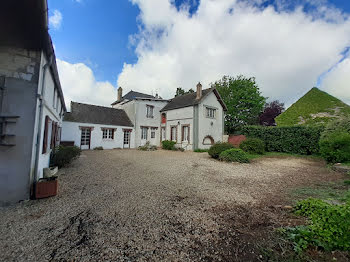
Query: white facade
(72,131)
(137,112)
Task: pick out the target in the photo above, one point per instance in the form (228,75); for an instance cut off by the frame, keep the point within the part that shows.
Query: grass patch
(279,154)
(338,191)
(200,150)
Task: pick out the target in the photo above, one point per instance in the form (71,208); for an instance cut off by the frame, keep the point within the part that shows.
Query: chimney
(199,91)
(120,94)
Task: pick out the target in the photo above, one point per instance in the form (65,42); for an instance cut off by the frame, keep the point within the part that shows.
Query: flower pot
(50,171)
(46,188)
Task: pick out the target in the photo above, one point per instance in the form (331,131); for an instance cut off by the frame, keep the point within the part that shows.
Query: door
(85,138)
(126,139)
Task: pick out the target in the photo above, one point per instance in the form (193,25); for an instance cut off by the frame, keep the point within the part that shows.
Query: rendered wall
(72,132)
(20,68)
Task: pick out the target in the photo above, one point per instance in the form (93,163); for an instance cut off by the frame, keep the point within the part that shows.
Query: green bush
(338,125)
(168,145)
(253,146)
(216,149)
(329,226)
(63,155)
(98,148)
(234,155)
(335,147)
(295,139)
(148,147)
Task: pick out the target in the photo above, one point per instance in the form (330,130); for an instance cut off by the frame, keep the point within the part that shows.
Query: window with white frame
(210,112)
(107,133)
(185,133)
(153,132)
(173,133)
(149,111)
(144,131)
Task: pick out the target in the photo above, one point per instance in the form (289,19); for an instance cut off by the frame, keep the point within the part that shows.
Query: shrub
(253,146)
(63,155)
(329,226)
(295,139)
(234,155)
(168,145)
(338,125)
(148,147)
(335,147)
(215,150)
(98,148)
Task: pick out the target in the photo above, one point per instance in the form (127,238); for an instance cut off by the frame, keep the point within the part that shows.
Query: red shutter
(45,134)
(52,140)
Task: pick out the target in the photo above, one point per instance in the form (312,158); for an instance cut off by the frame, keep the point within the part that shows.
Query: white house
(90,126)
(144,112)
(31,98)
(194,120)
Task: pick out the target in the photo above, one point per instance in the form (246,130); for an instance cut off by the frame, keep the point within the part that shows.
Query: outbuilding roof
(190,100)
(85,113)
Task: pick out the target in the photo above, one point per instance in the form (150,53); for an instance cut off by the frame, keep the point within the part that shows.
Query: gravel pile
(130,205)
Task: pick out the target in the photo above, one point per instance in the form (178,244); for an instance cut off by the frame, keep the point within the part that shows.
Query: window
(144,131)
(108,133)
(149,111)
(54,98)
(211,112)
(85,136)
(173,133)
(163,118)
(46,134)
(185,133)
(153,132)
(163,133)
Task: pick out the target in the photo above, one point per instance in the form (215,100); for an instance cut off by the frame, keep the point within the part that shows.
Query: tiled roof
(132,95)
(186,100)
(84,113)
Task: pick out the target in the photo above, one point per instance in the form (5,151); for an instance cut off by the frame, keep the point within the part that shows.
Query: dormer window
(149,111)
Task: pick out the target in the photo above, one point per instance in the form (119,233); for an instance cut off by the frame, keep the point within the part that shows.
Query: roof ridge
(95,105)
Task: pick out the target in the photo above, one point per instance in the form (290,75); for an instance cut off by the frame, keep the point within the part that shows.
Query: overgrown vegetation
(328,228)
(200,150)
(253,146)
(314,108)
(168,145)
(64,155)
(234,155)
(295,139)
(335,148)
(216,149)
(148,147)
(98,148)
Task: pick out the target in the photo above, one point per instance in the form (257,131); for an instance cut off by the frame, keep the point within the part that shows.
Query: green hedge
(294,139)
(216,149)
(63,155)
(253,146)
(168,145)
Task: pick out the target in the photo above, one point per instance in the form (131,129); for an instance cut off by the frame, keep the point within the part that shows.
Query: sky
(155,46)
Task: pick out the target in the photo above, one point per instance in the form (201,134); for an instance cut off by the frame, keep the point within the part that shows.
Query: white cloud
(79,85)
(337,82)
(285,50)
(55,19)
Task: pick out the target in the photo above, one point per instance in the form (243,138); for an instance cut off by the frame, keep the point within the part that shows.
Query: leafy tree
(180,92)
(243,100)
(271,111)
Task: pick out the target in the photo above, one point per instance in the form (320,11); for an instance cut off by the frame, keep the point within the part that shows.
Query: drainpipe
(41,104)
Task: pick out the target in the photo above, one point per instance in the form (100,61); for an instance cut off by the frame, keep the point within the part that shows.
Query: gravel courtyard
(130,205)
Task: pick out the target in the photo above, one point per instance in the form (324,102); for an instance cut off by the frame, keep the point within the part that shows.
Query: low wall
(235,140)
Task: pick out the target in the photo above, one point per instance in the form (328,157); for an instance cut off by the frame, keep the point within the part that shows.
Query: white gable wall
(210,126)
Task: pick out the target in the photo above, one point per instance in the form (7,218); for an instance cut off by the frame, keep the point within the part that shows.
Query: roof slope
(315,107)
(190,100)
(132,95)
(84,113)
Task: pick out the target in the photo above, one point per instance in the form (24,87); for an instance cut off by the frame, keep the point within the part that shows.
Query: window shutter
(52,135)
(113,133)
(46,129)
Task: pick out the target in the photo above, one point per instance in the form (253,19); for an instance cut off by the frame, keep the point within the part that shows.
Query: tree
(243,100)
(180,92)
(271,111)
